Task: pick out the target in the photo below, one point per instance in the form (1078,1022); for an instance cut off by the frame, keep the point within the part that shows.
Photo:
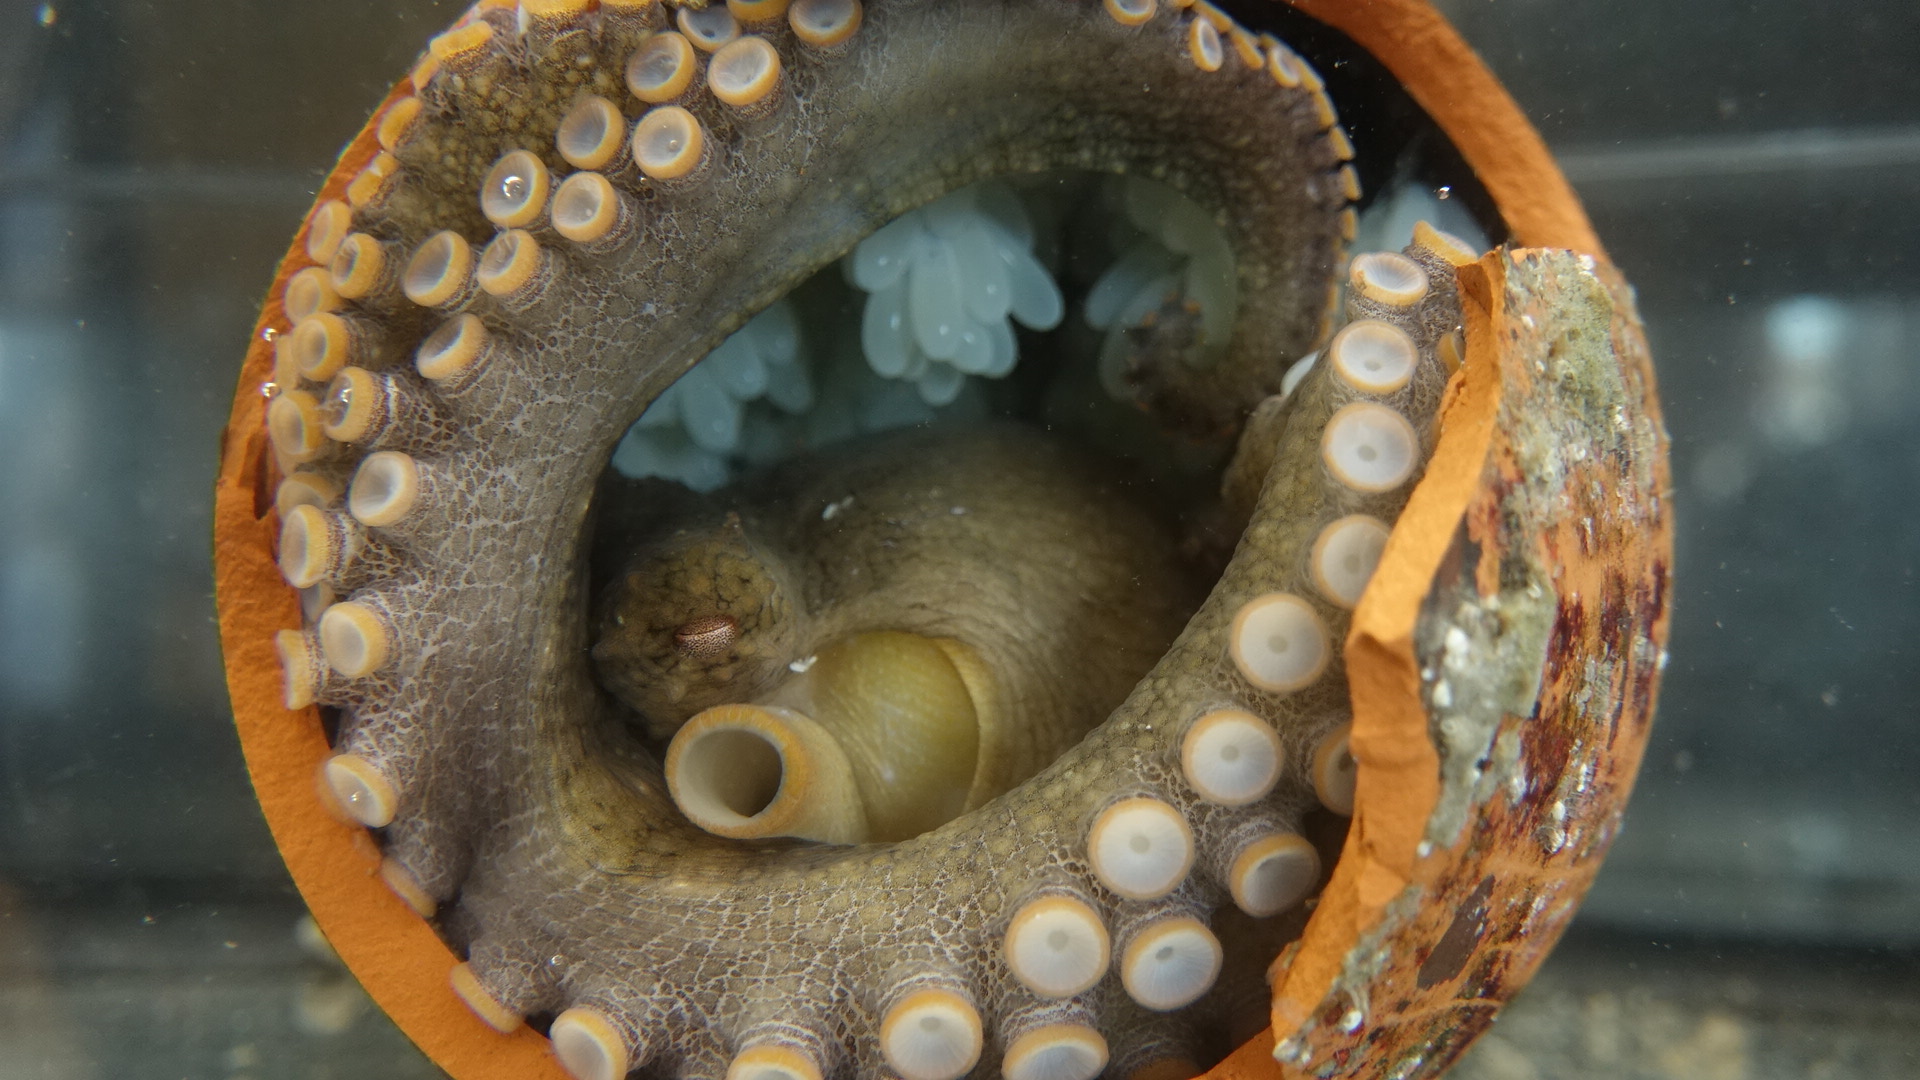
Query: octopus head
(703,617)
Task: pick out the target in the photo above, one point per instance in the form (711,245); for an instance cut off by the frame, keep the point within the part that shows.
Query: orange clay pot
(1412,947)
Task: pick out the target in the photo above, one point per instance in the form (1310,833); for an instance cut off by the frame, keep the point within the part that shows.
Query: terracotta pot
(1478,823)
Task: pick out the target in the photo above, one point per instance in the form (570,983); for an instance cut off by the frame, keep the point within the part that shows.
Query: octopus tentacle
(573,207)
(1165,956)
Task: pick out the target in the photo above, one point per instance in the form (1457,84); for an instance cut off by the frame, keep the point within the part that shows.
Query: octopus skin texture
(567,205)
(1045,590)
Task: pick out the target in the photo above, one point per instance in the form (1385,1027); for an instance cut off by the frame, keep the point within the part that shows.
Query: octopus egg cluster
(945,284)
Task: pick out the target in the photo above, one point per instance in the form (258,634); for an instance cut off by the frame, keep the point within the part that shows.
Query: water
(154,160)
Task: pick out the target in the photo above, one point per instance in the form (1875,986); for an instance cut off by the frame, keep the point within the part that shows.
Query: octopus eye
(707,637)
(840,538)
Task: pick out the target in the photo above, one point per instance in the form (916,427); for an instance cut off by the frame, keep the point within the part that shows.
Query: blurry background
(1751,166)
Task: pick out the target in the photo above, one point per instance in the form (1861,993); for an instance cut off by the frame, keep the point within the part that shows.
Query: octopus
(971,748)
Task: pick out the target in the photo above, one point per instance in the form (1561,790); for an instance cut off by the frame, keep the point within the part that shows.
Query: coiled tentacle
(575,206)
